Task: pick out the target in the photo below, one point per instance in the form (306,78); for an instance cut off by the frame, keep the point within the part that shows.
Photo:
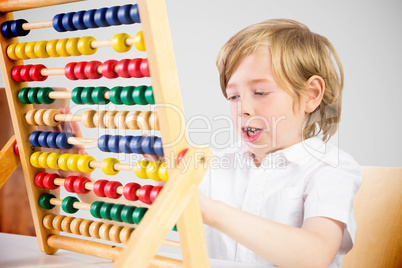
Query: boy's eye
(233,98)
(261,93)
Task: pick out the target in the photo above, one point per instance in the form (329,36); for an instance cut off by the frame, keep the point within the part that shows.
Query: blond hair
(296,55)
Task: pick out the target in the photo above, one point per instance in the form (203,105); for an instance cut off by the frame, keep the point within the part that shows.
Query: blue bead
(100,17)
(124,144)
(78,20)
(33,138)
(147,144)
(103,143)
(6,29)
(57,24)
(42,139)
(124,14)
(113,143)
(134,14)
(51,140)
(88,18)
(111,16)
(67,21)
(135,145)
(158,148)
(61,140)
(16,28)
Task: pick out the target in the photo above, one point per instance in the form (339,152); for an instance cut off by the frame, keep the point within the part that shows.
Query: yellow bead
(162,172)
(34,159)
(61,47)
(63,161)
(52,160)
(140,169)
(84,45)
(152,170)
(40,49)
(30,50)
(51,48)
(119,42)
(83,163)
(11,52)
(20,51)
(42,159)
(72,46)
(139,41)
(108,166)
(72,162)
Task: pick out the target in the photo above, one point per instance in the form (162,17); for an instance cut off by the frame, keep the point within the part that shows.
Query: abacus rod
(60,71)
(60,95)
(16,5)
(77,205)
(82,141)
(68,117)
(37,25)
(108,43)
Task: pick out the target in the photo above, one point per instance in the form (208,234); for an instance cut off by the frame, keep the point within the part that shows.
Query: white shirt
(306,180)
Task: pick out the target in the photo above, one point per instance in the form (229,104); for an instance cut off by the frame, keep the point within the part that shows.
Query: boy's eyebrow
(259,80)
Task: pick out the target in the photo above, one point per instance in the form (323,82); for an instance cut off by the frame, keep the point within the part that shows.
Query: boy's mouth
(251,134)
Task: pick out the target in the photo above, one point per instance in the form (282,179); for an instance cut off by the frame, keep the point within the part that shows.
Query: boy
(279,203)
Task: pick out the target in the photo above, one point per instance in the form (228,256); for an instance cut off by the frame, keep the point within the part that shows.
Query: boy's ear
(315,91)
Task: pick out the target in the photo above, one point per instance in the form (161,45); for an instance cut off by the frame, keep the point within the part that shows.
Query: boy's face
(262,111)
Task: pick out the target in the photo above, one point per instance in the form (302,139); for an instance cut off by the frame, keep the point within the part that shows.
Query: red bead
(39,179)
(110,189)
(48,181)
(99,187)
(134,68)
(69,183)
(16,73)
(69,71)
(108,69)
(25,72)
(144,194)
(79,70)
(122,68)
(79,185)
(181,154)
(91,69)
(34,72)
(16,150)
(154,193)
(129,191)
(144,68)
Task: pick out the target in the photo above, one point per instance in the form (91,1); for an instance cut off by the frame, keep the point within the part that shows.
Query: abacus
(158,209)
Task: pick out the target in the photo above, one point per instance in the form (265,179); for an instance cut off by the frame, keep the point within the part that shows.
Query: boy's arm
(315,244)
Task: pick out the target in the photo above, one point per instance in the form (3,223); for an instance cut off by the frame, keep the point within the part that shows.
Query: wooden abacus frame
(177,202)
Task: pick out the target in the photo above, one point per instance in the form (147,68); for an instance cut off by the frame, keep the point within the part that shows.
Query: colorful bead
(119,42)
(139,95)
(129,191)
(149,95)
(49,117)
(52,160)
(111,16)
(107,166)
(79,185)
(34,73)
(98,95)
(11,52)
(5,29)
(23,95)
(51,140)
(105,211)
(181,155)
(33,138)
(32,95)
(69,71)
(48,181)
(163,172)
(16,150)
(16,73)
(115,212)
(20,51)
(67,21)
(51,48)
(61,140)
(39,179)
(111,189)
(139,41)
(144,68)
(68,203)
(154,193)
(134,68)
(108,69)
(86,95)
(83,163)
(99,187)
(72,162)
(44,200)
(113,143)
(135,145)
(76,95)
(124,144)
(72,46)
(121,68)
(127,95)
(43,95)
(84,45)
(42,139)
(34,159)
(147,144)
(87,118)
(57,23)
(16,28)
(24,72)
(42,159)
(88,19)
(38,117)
(140,169)
(114,95)
(158,147)
(124,14)
(61,47)
(134,14)
(100,17)
(78,20)
(152,170)
(139,214)
(103,143)
(144,194)
(79,70)
(63,161)
(30,50)
(126,214)
(91,70)
(40,49)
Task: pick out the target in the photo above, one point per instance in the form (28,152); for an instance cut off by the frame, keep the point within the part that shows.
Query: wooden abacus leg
(9,161)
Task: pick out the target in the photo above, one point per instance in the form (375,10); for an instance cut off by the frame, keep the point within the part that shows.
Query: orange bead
(94,229)
(75,226)
(49,117)
(30,117)
(143,120)
(131,120)
(39,117)
(108,120)
(120,120)
(104,231)
(98,119)
(88,118)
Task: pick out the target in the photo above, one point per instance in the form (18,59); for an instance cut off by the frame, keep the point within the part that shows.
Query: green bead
(23,95)
(95,209)
(139,95)
(98,95)
(105,211)
(44,201)
(86,95)
(43,95)
(127,95)
(67,204)
(33,95)
(175,228)
(149,95)
(138,214)
(115,212)
(114,95)
(76,95)
(127,214)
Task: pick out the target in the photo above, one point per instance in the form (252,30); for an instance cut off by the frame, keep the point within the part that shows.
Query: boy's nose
(244,108)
